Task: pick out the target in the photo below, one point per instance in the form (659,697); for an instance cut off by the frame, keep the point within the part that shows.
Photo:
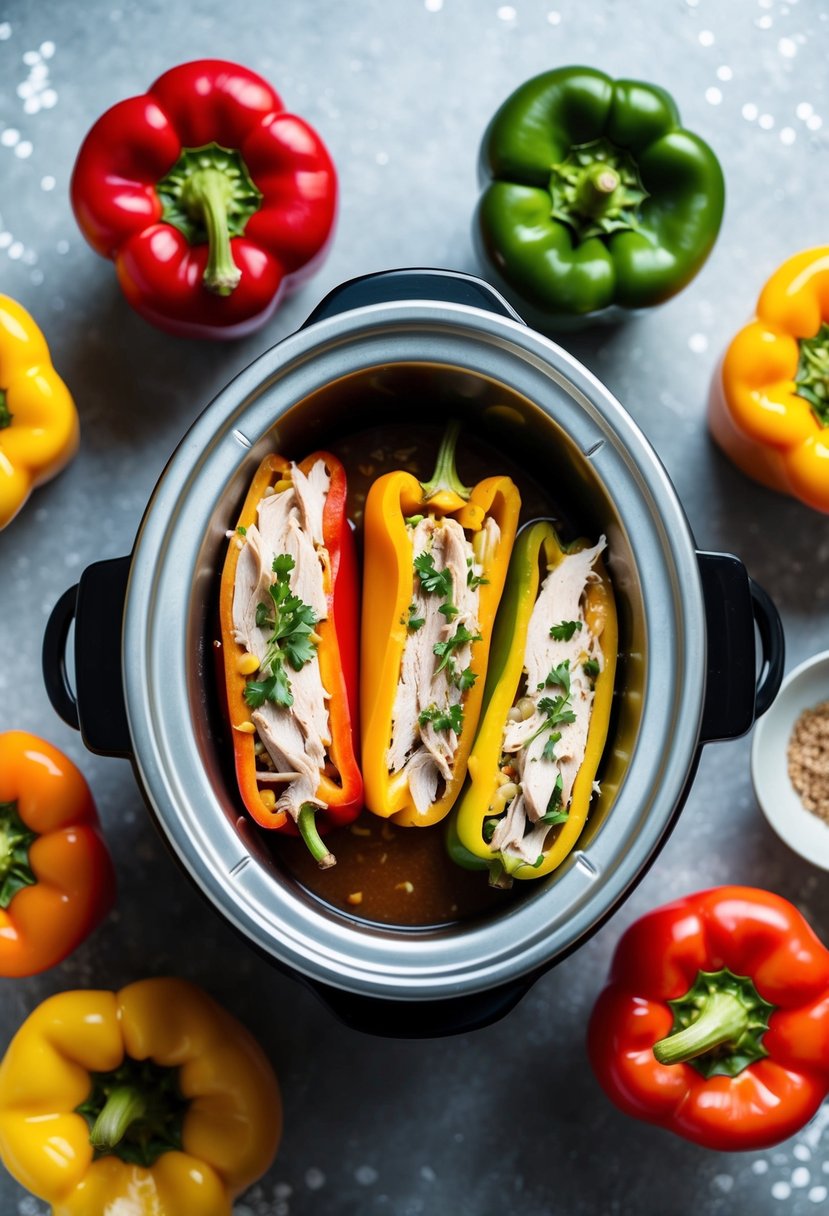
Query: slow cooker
(701,644)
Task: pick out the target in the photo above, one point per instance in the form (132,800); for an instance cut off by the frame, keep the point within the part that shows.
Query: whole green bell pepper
(595,199)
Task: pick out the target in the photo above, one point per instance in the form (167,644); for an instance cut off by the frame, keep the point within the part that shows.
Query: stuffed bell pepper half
(436,556)
(546,711)
(288,615)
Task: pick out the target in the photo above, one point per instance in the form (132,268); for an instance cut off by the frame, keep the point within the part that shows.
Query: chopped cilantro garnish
(559,676)
(449,610)
(475,580)
(555,813)
(564,631)
(557,710)
(242,531)
(549,752)
(414,622)
(450,718)
(591,668)
(412,521)
(466,679)
(435,582)
(444,649)
(291,621)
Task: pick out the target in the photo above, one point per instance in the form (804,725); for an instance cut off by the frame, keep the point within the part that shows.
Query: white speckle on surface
(47,182)
(804,110)
(801,1176)
(283,1191)
(433,6)
(382,158)
(749,111)
(9,137)
(428,1174)
(692,3)
(723,1182)
(781,1190)
(29,257)
(787,48)
(553,17)
(788,135)
(507,13)
(366,1175)
(5,30)
(314,1178)
(31,105)
(706,38)
(30,58)
(713,95)
(764,23)
(698,343)
(5,240)
(818,1193)
(801,1153)
(760,1167)
(724,72)
(48,99)
(24,149)
(814,122)
(766,121)
(62,246)
(47,49)
(16,250)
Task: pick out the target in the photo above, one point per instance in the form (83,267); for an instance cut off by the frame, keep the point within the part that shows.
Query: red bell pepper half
(208,196)
(715,1023)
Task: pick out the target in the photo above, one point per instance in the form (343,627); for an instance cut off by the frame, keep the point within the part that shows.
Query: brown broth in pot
(387,874)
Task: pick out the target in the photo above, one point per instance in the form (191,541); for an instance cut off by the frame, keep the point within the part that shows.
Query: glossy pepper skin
(229,1118)
(536,544)
(595,199)
(208,196)
(763,1085)
(336,651)
(769,402)
(388,583)
(38,421)
(56,878)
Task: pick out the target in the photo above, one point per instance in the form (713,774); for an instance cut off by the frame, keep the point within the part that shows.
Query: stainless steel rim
(297,931)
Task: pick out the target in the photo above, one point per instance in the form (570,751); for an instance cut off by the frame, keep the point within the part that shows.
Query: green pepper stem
(5,412)
(445,476)
(307,824)
(723,1019)
(596,189)
(124,1105)
(206,195)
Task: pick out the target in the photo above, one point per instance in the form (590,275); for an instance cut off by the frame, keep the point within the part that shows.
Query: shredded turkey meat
(424,750)
(296,737)
(520,833)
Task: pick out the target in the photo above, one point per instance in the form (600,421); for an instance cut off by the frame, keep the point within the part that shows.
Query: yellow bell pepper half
(388,585)
(38,420)
(537,543)
(769,404)
(151,1101)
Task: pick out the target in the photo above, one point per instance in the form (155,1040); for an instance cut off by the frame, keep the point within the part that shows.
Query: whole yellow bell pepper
(151,1101)
(769,404)
(38,420)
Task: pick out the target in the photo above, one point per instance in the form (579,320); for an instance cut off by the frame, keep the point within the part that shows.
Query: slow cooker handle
(735,694)
(96,705)
(423,1019)
(390,286)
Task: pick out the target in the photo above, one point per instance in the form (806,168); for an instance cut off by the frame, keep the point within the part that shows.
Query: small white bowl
(801,830)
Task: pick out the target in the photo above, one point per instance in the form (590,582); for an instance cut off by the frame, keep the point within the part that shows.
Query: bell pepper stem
(445,477)
(307,824)
(206,194)
(5,412)
(597,187)
(723,1019)
(124,1105)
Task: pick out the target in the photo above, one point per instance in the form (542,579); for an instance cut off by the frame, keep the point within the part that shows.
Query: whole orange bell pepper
(56,878)
(38,420)
(151,1101)
(769,403)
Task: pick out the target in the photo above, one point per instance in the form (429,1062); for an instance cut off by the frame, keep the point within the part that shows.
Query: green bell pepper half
(594,197)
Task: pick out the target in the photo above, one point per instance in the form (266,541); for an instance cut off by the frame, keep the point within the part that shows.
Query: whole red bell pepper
(56,877)
(208,196)
(715,1023)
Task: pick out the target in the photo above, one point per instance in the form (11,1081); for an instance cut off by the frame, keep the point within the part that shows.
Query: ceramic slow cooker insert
(375,349)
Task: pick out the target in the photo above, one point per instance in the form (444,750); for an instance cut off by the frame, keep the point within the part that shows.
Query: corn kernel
(356,897)
(408,887)
(245,728)
(247,664)
(268,799)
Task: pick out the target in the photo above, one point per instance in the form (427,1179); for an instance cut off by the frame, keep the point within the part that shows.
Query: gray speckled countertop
(508,1119)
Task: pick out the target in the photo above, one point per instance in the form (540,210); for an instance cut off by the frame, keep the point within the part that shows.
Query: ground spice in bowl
(808,758)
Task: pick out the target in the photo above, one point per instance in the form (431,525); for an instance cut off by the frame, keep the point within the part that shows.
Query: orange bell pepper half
(769,405)
(56,877)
